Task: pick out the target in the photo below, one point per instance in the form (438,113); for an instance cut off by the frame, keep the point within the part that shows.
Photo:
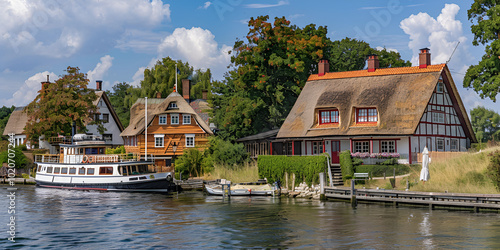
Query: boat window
(81,151)
(132,179)
(64,170)
(39,168)
(142,178)
(72,171)
(105,170)
(57,170)
(90,171)
(49,170)
(81,171)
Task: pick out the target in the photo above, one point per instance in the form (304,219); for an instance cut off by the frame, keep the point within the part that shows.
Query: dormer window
(172,105)
(366,115)
(330,116)
(440,87)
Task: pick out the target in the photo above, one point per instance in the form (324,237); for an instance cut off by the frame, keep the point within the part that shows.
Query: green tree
(161,78)
(190,162)
(350,54)
(4,117)
(20,159)
(485,123)
(202,81)
(484,77)
(59,104)
(118,99)
(272,67)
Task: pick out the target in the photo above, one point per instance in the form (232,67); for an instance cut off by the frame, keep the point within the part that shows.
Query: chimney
(323,67)
(204,94)
(44,86)
(186,85)
(158,95)
(98,85)
(424,58)
(372,63)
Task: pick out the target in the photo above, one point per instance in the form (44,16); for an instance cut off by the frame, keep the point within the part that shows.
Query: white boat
(85,166)
(242,189)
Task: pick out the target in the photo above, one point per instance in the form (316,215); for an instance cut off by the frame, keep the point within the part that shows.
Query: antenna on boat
(452,53)
(146,133)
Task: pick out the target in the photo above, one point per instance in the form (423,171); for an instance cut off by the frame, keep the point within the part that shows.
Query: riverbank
(23,181)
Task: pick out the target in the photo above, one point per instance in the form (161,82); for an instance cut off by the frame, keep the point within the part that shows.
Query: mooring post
(354,203)
(286,181)
(293,182)
(322,186)
(407,184)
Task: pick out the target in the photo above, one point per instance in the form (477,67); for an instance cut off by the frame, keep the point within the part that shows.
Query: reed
(463,174)
(248,172)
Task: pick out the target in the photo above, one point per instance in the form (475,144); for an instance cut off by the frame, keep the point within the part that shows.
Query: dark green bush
(307,168)
(357,161)
(190,163)
(493,170)
(225,153)
(346,164)
(391,161)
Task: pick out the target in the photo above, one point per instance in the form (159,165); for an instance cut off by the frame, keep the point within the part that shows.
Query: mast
(146,132)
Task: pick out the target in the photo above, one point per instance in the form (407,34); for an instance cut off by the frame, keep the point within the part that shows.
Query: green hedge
(346,164)
(273,167)
(379,170)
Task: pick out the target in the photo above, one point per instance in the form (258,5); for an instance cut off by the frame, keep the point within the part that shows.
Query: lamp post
(174,148)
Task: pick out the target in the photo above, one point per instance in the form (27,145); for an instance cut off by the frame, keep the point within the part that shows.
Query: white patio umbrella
(424,173)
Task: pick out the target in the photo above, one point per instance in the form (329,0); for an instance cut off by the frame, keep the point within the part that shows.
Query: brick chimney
(204,94)
(158,95)
(44,84)
(373,63)
(323,67)
(98,85)
(186,87)
(424,58)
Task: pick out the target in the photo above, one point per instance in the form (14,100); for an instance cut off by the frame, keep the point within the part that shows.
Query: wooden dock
(447,201)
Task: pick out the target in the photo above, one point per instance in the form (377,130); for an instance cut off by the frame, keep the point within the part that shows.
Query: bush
(493,169)
(307,168)
(190,163)
(118,150)
(225,153)
(357,161)
(20,160)
(25,176)
(391,161)
(346,164)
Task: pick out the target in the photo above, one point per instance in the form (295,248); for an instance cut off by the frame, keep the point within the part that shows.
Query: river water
(62,219)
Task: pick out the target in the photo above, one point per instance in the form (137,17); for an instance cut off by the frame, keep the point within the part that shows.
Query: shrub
(357,161)
(391,161)
(346,164)
(25,176)
(117,150)
(190,163)
(493,169)
(307,168)
(225,153)
(20,160)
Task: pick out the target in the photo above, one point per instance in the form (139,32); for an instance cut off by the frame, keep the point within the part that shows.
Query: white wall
(111,127)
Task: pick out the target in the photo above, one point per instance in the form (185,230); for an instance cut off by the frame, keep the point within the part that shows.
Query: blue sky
(116,40)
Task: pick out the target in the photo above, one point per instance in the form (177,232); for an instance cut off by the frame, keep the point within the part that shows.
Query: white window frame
(389,147)
(360,146)
(184,117)
(172,116)
(172,105)
(188,140)
(159,140)
(438,117)
(160,120)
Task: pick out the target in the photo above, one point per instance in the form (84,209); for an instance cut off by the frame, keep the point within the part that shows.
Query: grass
(249,172)
(463,174)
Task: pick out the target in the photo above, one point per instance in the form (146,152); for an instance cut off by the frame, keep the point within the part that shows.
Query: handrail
(90,158)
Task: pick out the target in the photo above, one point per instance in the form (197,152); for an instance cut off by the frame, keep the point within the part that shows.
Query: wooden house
(378,111)
(171,123)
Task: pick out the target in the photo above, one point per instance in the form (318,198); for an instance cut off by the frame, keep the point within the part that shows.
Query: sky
(115,40)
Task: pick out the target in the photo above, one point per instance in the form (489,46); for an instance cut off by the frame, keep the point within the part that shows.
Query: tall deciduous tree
(484,77)
(161,78)
(272,68)
(59,104)
(118,98)
(485,123)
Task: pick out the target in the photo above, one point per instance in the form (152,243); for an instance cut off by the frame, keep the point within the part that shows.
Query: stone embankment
(303,191)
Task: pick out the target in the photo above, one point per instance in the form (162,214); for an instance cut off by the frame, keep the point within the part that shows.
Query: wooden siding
(172,133)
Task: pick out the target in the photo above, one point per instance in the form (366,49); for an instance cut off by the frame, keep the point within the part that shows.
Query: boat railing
(48,158)
(90,158)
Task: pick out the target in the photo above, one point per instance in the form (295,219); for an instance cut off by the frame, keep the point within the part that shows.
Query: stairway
(337,175)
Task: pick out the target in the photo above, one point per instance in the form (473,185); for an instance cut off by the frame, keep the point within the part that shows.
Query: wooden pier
(447,201)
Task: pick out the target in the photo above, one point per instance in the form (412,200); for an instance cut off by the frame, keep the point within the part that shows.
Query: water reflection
(74,219)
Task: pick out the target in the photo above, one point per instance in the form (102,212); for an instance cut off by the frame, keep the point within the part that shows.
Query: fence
(440,156)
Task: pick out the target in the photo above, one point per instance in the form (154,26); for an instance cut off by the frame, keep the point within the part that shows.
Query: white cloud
(99,71)
(379,48)
(59,29)
(261,6)
(198,47)
(29,90)
(205,6)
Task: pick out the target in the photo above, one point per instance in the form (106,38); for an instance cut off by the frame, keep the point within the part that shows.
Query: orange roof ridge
(378,72)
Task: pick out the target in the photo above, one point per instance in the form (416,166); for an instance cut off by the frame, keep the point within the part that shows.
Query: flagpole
(146,133)
(176,78)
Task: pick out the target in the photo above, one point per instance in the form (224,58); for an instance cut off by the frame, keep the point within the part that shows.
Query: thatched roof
(399,94)
(17,122)
(157,107)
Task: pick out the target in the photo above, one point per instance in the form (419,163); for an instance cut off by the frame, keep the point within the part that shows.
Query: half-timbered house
(377,111)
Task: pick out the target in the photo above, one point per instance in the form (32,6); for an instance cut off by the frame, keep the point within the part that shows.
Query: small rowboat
(242,190)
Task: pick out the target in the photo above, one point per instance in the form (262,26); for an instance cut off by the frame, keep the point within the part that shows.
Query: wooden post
(394,174)
(286,181)
(354,203)
(293,182)
(407,184)
(322,186)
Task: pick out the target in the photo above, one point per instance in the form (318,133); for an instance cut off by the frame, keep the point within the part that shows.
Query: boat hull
(217,190)
(158,185)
